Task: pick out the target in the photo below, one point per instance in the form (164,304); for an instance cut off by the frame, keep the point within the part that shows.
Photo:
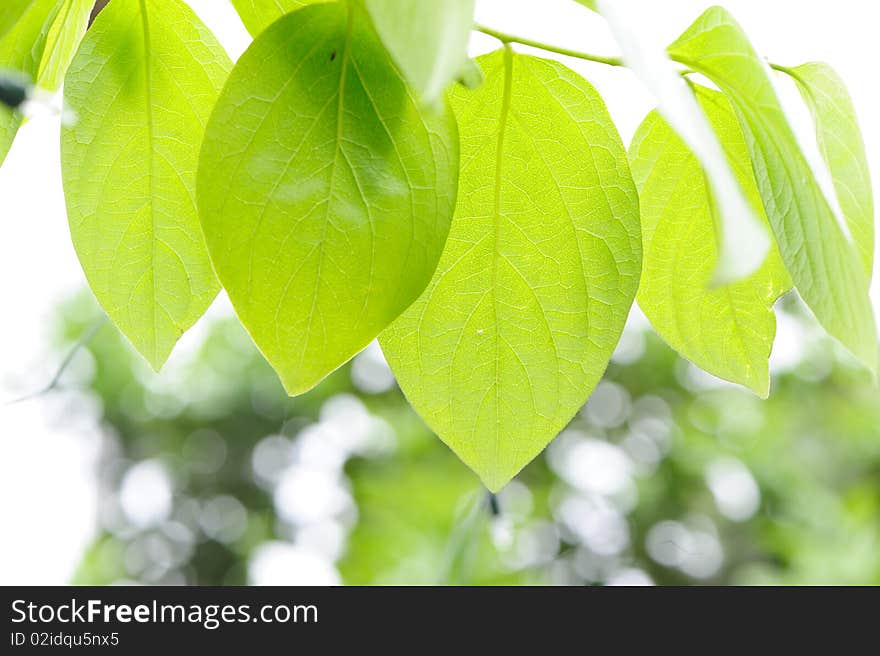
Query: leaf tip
(156,359)
(299,382)
(493,474)
(495,482)
(761,388)
(496,475)
(294,387)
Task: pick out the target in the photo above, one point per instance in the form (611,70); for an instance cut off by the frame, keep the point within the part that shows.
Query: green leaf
(257,15)
(325,192)
(63,39)
(538,275)
(21,50)
(10,13)
(727,330)
(427,39)
(824,265)
(743,240)
(843,149)
(142,86)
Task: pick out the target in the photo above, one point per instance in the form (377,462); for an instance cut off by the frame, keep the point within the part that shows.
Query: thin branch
(586,56)
(510,38)
(84,339)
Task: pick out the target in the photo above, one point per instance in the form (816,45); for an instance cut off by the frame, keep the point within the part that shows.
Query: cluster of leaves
(341,186)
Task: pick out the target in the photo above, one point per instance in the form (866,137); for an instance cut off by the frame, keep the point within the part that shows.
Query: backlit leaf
(843,149)
(64,38)
(744,240)
(823,263)
(538,275)
(325,192)
(427,39)
(726,330)
(11,12)
(142,86)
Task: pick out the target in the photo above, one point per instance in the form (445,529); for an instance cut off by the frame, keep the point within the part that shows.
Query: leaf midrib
(496,220)
(340,116)
(148,106)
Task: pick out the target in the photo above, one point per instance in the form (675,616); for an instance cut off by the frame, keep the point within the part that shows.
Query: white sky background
(47,493)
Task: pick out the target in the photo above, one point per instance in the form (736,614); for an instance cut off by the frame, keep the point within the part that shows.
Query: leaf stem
(464,539)
(790,72)
(510,38)
(782,69)
(506,38)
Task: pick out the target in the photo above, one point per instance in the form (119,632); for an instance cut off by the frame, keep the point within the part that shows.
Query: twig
(511,38)
(86,337)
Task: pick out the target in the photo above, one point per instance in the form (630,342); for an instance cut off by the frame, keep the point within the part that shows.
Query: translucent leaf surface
(539,272)
(427,39)
(743,240)
(326,192)
(64,38)
(823,263)
(10,13)
(726,330)
(843,149)
(142,86)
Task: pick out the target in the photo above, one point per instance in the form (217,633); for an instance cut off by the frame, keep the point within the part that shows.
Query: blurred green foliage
(666,476)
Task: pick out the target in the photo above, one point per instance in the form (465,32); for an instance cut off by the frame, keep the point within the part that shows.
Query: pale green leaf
(21,51)
(743,239)
(824,264)
(843,149)
(257,15)
(538,275)
(11,12)
(325,192)
(427,39)
(471,75)
(142,86)
(64,38)
(726,330)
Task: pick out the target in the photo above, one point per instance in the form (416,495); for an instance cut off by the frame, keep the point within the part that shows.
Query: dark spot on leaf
(99,5)
(13,91)
(333,55)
